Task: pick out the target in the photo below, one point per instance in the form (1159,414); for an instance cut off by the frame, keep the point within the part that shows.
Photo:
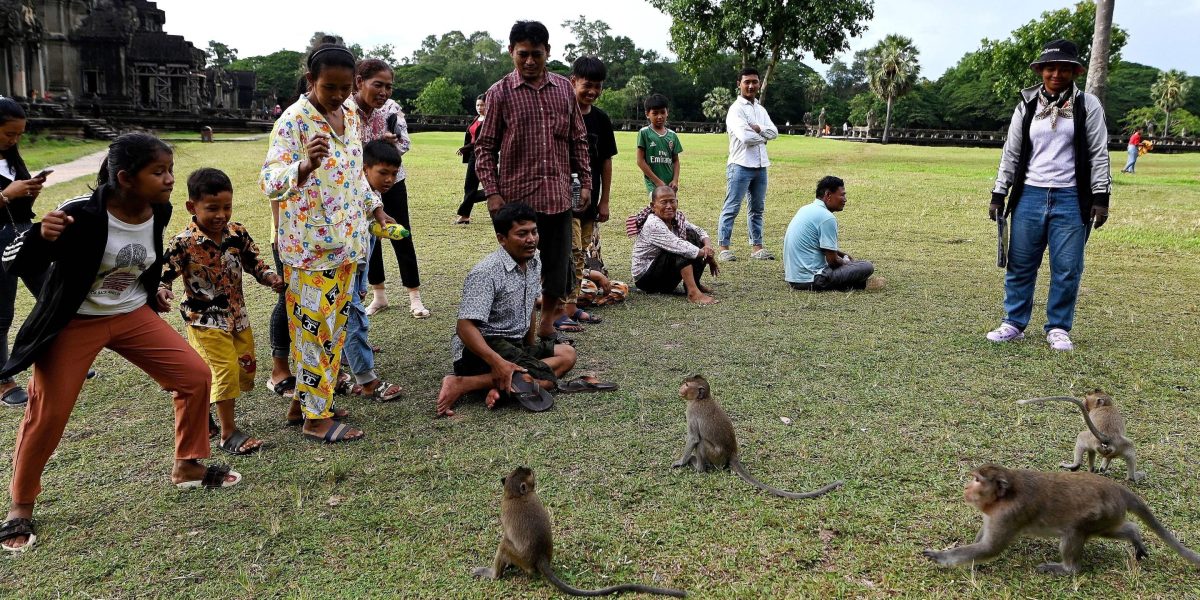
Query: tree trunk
(1166,132)
(1097,76)
(762,88)
(887,121)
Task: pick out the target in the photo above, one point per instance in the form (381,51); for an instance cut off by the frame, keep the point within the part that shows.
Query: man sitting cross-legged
(811,259)
(495,346)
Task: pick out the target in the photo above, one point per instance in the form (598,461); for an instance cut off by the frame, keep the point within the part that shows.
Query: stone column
(18,72)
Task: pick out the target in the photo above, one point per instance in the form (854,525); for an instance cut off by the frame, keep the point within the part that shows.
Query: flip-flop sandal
(214,478)
(18,527)
(15,398)
(420,313)
(565,323)
(530,395)
(559,338)
(283,387)
(580,385)
(335,417)
(384,392)
(345,385)
(586,317)
(234,444)
(335,434)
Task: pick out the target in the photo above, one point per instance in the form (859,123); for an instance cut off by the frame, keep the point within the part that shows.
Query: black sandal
(234,444)
(283,387)
(14,528)
(214,478)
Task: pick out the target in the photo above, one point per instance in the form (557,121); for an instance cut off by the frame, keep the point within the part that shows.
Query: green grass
(40,153)
(896,392)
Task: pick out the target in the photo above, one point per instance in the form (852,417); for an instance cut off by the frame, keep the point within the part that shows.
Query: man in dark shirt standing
(532,140)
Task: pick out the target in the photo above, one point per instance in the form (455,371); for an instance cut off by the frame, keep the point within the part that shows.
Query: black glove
(996,208)
(1099,216)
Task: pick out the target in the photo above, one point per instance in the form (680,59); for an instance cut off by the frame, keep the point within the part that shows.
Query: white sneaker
(1005,333)
(726,256)
(1059,340)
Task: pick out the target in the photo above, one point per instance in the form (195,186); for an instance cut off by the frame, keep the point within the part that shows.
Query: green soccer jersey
(660,154)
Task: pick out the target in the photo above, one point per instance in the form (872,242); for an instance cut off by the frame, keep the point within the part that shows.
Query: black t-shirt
(602,145)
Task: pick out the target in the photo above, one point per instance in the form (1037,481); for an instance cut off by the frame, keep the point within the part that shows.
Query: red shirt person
(535,132)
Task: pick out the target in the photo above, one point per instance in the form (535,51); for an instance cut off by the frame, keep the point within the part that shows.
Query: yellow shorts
(230,356)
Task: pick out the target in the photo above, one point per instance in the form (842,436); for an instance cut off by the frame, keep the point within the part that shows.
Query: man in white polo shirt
(750,128)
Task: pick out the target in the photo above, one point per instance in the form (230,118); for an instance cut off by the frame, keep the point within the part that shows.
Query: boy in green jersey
(658,147)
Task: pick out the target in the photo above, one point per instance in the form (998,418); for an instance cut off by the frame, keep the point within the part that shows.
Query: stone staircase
(98,129)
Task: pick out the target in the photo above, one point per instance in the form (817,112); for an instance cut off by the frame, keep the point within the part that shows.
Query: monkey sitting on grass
(711,441)
(527,542)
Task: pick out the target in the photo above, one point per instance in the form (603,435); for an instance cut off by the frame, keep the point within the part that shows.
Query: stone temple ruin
(83,64)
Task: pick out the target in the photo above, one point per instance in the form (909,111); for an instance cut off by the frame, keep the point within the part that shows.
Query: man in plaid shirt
(532,141)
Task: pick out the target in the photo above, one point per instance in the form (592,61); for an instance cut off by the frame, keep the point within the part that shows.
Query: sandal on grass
(586,384)
(419,312)
(215,477)
(234,444)
(586,317)
(335,434)
(337,416)
(565,323)
(558,338)
(213,429)
(345,384)
(283,387)
(384,392)
(14,528)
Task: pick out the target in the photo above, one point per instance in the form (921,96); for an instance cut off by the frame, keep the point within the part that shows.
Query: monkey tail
(1138,507)
(1087,419)
(548,572)
(738,468)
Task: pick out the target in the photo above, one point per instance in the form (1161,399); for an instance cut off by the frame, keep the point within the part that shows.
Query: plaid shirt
(538,138)
(212,275)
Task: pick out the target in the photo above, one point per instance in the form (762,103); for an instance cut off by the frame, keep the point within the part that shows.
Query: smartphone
(43,174)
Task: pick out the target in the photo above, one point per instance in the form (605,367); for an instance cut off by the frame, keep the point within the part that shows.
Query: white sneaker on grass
(1059,340)
(1005,333)
(726,256)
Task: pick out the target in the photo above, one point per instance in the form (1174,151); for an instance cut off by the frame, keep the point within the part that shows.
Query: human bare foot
(493,396)
(294,413)
(18,511)
(452,390)
(319,427)
(704,289)
(702,299)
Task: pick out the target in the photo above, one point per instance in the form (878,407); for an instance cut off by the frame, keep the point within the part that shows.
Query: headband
(318,53)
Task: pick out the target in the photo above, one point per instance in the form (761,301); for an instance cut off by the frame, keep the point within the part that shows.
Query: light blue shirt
(812,230)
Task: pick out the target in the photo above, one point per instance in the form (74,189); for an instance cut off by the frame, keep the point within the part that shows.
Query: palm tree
(1169,92)
(639,87)
(892,70)
(716,103)
(1097,79)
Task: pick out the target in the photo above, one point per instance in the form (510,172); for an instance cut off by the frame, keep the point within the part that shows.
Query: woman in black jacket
(472,195)
(1054,170)
(17,192)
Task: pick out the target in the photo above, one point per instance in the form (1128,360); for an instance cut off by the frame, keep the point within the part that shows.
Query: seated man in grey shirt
(494,347)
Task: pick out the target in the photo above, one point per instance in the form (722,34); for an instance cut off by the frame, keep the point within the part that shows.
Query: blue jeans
(1045,217)
(358,351)
(740,180)
(1133,156)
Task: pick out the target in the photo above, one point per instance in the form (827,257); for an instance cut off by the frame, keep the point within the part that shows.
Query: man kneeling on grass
(811,259)
(495,345)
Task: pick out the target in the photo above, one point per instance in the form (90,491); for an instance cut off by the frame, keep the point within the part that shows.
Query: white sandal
(419,312)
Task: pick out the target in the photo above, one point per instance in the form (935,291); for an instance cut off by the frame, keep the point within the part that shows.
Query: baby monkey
(1105,434)
(526,540)
(711,441)
(1070,506)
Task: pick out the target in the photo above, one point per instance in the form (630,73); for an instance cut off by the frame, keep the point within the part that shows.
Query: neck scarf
(1054,106)
(634,224)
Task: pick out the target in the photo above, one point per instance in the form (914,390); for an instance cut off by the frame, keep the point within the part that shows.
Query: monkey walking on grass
(711,441)
(1105,434)
(526,541)
(1070,506)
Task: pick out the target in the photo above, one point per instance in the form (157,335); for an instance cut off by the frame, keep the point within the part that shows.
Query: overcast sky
(1162,33)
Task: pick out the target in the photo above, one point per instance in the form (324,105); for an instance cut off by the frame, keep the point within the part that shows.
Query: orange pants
(145,340)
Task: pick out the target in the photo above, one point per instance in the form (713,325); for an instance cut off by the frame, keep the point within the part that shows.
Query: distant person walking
(472,195)
(1135,142)
(750,128)
(1054,170)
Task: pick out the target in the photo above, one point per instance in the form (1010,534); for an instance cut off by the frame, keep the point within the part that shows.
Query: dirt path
(80,167)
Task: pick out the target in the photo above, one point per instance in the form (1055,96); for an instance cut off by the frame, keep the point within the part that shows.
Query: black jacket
(73,260)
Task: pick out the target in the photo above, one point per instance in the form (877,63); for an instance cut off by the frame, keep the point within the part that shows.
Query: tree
(620,55)
(717,102)
(614,102)
(474,62)
(638,88)
(220,55)
(589,37)
(440,97)
(276,73)
(892,70)
(1169,92)
(384,52)
(762,32)
(1009,59)
(1097,78)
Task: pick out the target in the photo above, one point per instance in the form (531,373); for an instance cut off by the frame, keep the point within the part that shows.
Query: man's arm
(737,125)
(675,171)
(605,187)
(580,159)
(645,167)
(767,128)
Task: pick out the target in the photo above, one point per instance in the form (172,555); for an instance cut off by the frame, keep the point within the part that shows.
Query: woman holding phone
(17,193)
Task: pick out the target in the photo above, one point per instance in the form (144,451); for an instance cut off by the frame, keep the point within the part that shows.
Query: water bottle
(576,191)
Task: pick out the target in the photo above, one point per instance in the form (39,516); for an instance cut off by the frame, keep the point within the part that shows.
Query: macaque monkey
(526,540)
(1070,506)
(1105,434)
(711,441)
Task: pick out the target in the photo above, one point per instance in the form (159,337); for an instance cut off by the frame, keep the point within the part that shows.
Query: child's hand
(277,283)
(54,223)
(162,300)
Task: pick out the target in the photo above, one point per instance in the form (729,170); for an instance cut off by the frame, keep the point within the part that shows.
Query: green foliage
(967,97)
(440,97)
(1009,59)
(473,62)
(277,73)
(762,32)
(384,52)
(220,55)
(616,103)
(717,102)
(789,94)
(1128,88)
(620,55)
(1181,120)
(892,69)
(1169,92)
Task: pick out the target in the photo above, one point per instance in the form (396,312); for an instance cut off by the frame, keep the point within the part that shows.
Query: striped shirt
(531,142)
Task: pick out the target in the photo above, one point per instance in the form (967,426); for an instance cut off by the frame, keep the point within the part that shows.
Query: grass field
(896,392)
(40,153)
